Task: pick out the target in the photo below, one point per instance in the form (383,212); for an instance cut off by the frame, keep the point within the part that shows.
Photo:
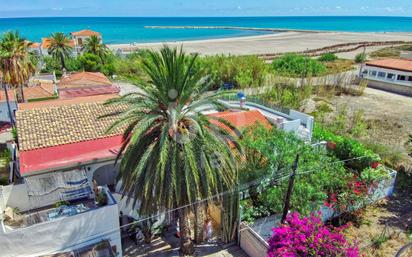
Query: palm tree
(60,47)
(93,45)
(15,63)
(173,155)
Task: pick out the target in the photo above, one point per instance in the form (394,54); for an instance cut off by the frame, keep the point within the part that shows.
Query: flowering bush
(307,237)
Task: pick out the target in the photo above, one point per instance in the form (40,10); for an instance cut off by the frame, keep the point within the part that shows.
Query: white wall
(63,234)
(394,81)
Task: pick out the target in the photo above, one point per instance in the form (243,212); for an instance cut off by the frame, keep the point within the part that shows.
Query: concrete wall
(64,234)
(251,243)
(4,112)
(399,89)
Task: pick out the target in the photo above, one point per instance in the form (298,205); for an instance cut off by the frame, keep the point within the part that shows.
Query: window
(410,78)
(381,74)
(365,72)
(373,73)
(402,77)
(391,76)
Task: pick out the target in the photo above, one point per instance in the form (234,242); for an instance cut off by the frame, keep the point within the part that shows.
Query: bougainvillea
(309,237)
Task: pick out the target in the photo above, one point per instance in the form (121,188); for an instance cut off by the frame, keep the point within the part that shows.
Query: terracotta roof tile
(61,102)
(84,79)
(10,93)
(396,64)
(85,33)
(241,119)
(43,90)
(45,43)
(65,124)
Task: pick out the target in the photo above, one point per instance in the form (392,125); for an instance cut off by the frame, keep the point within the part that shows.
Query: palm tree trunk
(200,218)
(8,106)
(186,244)
(62,61)
(22,93)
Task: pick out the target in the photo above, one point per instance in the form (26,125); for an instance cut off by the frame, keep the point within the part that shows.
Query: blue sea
(118,30)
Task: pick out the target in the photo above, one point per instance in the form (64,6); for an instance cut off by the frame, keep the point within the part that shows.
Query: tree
(90,62)
(60,47)
(361,57)
(15,64)
(92,45)
(173,155)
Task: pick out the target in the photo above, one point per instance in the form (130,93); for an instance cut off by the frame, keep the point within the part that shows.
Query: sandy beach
(292,41)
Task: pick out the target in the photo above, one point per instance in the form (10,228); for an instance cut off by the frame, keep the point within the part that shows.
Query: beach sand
(273,43)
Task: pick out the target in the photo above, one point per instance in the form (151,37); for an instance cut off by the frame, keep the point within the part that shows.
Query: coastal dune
(290,41)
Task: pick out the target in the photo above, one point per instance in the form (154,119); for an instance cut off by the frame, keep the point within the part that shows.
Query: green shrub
(298,66)
(328,57)
(347,148)
(243,71)
(90,62)
(275,151)
(287,95)
(361,57)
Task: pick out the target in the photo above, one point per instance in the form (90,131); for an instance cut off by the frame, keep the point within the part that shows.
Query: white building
(394,75)
(55,213)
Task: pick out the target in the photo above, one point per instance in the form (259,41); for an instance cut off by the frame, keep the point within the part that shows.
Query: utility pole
(290,188)
(361,67)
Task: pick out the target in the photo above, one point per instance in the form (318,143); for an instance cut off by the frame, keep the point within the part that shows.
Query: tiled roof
(42,90)
(85,33)
(45,43)
(61,102)
(395,64)
(83,80)
(241,119)
(34,45)
(89,91)
(45,127)
(65,124)
(10,93)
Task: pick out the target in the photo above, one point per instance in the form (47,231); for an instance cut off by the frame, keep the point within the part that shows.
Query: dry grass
(390,52)
(389,118)
(339,65)
(383,221)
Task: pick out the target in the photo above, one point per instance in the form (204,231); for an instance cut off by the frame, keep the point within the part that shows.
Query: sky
(208,8)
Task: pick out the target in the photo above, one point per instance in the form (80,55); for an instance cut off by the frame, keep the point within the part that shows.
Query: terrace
(59,225)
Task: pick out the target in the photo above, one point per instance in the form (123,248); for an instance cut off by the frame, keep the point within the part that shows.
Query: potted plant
(102,249)
(331,145)
(101,198)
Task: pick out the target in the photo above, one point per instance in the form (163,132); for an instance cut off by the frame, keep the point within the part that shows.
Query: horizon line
(245,16)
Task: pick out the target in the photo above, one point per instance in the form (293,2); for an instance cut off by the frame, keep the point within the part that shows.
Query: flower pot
(331,145)
(375,165)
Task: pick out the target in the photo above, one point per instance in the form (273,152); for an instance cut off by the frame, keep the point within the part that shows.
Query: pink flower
(308,237)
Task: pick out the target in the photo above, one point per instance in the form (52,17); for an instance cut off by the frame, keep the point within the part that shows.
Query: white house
(394,75)
(57,212)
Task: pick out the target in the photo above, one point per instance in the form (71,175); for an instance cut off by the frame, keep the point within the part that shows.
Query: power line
(283,174)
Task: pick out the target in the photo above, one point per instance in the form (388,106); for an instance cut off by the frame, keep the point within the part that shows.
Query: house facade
(79,37)
(394,75)
(77,41)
